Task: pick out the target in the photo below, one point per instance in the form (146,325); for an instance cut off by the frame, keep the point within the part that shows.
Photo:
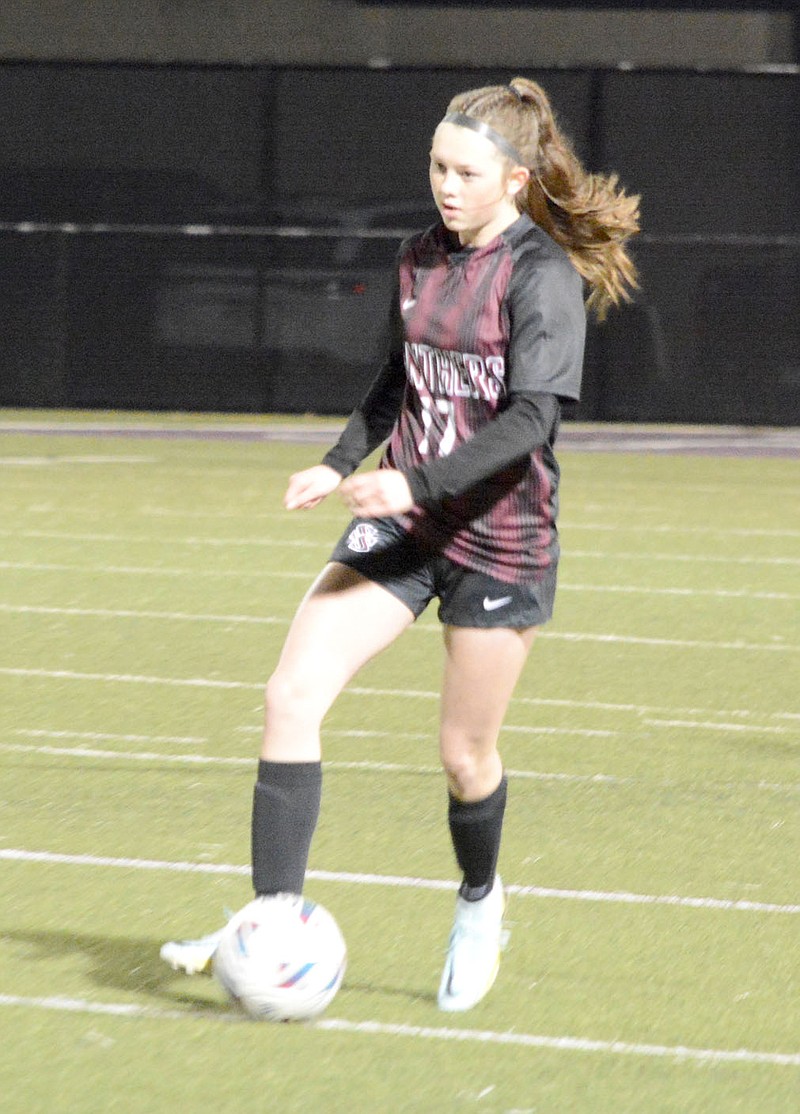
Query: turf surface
(652,839)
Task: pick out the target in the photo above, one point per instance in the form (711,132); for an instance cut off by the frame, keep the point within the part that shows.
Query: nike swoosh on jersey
(408,304)
(492,605)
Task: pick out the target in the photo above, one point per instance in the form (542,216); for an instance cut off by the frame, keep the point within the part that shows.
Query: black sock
(286,805)
(476,828)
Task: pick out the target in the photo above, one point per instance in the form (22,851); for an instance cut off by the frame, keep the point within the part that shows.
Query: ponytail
(589,215)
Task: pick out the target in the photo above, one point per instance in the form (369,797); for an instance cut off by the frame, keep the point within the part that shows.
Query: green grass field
(652,842)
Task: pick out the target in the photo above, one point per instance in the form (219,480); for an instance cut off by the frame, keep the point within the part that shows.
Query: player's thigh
(482,667)
(343,621)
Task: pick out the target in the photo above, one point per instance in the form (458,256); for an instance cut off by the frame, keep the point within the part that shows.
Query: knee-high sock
(286,804)
(476,828)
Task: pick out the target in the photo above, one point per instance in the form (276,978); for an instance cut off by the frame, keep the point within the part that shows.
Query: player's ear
(517,180)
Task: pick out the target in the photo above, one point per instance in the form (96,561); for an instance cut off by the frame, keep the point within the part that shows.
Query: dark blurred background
(200,202)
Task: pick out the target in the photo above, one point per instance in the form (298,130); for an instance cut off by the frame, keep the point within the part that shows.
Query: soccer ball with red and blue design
(281,958)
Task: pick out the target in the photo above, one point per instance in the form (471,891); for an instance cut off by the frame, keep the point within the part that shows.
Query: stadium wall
(345,32)
(221,237)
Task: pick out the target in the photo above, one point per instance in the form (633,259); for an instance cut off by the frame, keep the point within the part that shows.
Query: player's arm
(523,426)
(527,422)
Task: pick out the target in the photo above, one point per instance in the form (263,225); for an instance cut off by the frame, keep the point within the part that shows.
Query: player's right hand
(308,488)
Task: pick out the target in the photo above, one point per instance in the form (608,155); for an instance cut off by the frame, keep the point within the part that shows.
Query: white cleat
(192,956)
(473,956)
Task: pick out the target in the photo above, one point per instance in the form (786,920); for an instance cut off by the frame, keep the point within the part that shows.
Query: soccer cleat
(193,956)
(473,955)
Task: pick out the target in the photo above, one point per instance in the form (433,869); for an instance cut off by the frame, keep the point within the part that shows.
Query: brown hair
(589,215)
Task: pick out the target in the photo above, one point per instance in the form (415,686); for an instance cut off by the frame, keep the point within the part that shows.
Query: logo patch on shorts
(492,605)
(363,538)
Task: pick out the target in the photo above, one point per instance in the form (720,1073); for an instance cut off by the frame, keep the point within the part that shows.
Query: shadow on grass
(120,964)
(134,966)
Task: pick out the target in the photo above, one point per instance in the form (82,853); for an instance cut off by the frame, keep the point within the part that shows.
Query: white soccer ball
(281,958)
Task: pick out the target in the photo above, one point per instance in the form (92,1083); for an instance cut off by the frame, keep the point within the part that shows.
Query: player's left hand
(372,494)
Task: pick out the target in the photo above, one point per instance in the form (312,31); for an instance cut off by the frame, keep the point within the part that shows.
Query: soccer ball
(281,958)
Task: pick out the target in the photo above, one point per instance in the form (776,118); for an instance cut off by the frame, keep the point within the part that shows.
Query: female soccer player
(487,335)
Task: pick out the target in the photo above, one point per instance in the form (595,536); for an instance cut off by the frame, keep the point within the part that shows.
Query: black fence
(222,239)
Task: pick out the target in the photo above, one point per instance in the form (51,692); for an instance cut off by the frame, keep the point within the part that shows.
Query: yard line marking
(371,767)
(126,756)
(28,461)
(275,574)
(417,1032)
(224,514)
(580,732)
(132,678)
(304,543)
(661,528)
(428,628)
(704,725)
(356,690)
(149,511)
(113,1009)
(719,593)
(139,570)
(401,882)
(278,574)
(561,1044)
(684,643)
(100,736)
(150,539)
(352,733)
(376,767)
(120,613)
(588,479)
(691,558)
(335,764)
(567,524)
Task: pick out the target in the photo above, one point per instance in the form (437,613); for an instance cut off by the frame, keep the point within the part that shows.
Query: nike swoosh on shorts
(492,605)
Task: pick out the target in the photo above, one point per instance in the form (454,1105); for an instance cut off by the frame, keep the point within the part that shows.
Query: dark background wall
(151,254)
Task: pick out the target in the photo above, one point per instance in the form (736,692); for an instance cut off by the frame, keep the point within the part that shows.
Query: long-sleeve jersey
(484,344)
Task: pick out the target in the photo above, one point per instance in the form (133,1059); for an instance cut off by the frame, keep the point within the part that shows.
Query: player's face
(472,186)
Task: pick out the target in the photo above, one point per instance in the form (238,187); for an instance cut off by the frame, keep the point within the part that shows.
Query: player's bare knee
(465,772)
(287,696)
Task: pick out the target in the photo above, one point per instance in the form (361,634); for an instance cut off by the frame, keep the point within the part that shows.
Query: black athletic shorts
(383,552)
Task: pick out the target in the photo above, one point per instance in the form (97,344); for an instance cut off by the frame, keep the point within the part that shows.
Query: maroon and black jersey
(476,333)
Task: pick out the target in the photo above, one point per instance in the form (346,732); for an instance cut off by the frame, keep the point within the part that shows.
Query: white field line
(38,461)
(107,736)
(357,690)
(706,725)
(275,574)
(507,1038)
(273,620)
(561,1044)
(713,593)
(660,528)
(525,729)
(367,766)
(120,613)
(320,515)
(588,479)
(420,1032)
(149,570)
(302,543)
(280,574)
(12,854)
(691,558)
(160,539)
(398,881)
(682,643)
